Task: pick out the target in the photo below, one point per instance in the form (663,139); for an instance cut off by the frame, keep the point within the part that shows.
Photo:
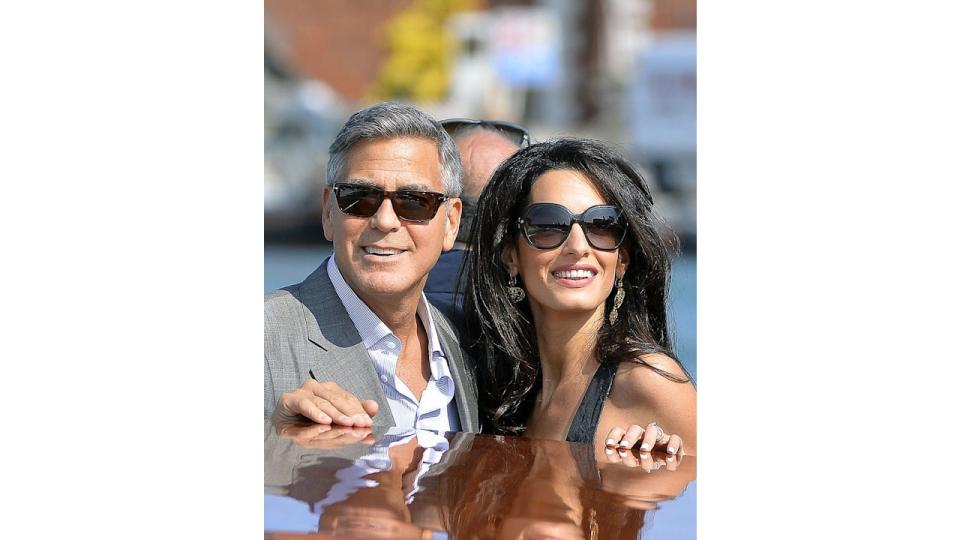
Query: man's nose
(385,218)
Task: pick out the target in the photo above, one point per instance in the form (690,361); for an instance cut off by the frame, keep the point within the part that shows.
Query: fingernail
(644,456)
(671,450)
(645,447)
(344,419)
(611,442)
(608,450)
(623,443)
(324,419)
(669,458)
(367,417)
(359,418)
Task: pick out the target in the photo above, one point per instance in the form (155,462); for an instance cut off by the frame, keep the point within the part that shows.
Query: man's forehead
(485,138)
(413,162)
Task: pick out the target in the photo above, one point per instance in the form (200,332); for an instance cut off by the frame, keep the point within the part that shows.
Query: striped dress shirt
(436,410)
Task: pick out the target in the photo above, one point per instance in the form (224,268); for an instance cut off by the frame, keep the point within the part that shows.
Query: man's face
(383,257)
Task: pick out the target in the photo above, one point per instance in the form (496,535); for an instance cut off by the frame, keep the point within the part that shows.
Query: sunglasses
(363,201)
(547,225)
(514,132)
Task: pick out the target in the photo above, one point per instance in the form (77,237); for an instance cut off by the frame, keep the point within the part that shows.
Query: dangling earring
(515,293)
(617,302)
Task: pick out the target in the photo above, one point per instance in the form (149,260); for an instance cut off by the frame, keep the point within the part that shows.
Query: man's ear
(509,258)
(327,209)
(452,223)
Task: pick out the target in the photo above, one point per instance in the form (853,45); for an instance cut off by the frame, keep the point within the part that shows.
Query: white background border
(132,222)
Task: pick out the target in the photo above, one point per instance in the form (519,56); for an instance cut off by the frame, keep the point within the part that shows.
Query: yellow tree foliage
(420,51)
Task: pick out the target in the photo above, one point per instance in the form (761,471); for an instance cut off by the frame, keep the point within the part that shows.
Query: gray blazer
(306,327)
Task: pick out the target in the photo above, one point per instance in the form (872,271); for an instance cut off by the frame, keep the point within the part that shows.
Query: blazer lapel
(343,357)
(462,370)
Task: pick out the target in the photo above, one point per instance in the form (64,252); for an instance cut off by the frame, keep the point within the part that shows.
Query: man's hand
(324,437)
(325,403)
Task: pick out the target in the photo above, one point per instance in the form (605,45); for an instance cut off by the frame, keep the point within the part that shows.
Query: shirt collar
(370,327)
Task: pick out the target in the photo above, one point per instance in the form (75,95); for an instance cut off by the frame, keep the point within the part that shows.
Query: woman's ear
(623,260)
(508,256)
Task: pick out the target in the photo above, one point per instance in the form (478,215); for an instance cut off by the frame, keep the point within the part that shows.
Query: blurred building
(623,71)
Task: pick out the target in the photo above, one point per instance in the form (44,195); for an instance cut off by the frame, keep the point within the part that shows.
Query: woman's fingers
(611,453)
(646,461)
(631,436)
(613,438)
(672,462)
(650,436)
(632,447)
(627,457)
(674,444)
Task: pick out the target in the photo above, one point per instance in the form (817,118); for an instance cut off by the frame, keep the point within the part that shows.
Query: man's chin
(387,285)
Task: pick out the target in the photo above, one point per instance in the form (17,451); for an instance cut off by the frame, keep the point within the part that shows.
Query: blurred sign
(526,46)
(663,96)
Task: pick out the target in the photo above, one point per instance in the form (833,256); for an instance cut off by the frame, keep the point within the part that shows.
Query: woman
(566,304)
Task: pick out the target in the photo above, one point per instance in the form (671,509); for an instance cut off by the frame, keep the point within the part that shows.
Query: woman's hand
(650,438)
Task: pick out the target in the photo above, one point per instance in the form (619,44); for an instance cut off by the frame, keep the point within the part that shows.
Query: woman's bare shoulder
(641,394)
(648,373)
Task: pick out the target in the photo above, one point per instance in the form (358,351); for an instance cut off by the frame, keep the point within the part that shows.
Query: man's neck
(399,313)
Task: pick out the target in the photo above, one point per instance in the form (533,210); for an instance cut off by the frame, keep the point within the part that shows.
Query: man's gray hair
(386,121)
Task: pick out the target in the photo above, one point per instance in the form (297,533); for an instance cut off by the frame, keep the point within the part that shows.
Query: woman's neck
(567,344)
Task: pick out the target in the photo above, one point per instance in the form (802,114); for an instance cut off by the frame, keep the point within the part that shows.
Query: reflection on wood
(418,484)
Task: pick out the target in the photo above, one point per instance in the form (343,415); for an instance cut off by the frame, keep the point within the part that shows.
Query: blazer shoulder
(282,298)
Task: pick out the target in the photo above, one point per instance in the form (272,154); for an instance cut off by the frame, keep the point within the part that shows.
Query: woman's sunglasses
(363,201)
(514,132)
(547,225)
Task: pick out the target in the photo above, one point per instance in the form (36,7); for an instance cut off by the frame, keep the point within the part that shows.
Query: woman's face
(574,276)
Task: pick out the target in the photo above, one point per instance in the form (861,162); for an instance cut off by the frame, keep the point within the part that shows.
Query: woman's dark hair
(501,334)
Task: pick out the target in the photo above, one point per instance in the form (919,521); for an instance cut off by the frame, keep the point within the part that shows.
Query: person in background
(483,145)
(360,325)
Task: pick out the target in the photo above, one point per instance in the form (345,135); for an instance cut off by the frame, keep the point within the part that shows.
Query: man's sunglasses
(363,201)
(547,225)
(514,132)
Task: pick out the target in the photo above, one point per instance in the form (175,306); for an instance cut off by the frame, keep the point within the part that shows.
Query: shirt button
(384,378)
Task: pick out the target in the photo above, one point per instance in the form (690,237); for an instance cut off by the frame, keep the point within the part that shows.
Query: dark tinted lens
(604,227)
(546,225)
(358,200)
(454,126)
(514,134)
(416,205)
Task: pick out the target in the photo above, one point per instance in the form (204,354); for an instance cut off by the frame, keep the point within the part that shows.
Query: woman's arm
(640,396)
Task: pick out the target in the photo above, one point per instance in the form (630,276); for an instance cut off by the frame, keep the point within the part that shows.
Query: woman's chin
(571,306)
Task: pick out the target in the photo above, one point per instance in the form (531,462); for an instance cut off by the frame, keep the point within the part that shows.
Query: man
(360,322)
(483,146)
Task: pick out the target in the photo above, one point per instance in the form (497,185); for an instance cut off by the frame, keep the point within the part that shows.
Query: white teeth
(381,251)
(574,274)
